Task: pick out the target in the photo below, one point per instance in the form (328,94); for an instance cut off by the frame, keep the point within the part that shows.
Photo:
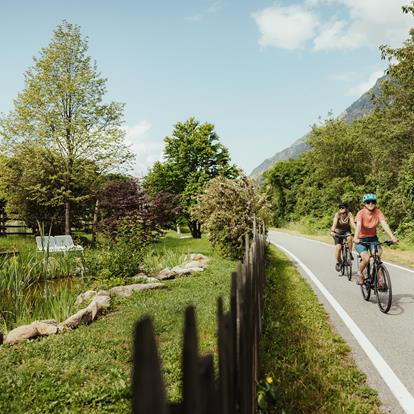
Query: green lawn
(88,370)
(310,364)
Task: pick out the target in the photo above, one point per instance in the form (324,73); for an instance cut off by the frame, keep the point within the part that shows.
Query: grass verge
(310,364)
(88,370)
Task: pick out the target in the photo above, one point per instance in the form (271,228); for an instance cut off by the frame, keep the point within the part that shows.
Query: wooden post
(148,393)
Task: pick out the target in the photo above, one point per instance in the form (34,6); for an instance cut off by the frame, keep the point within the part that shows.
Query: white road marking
(407,269)
(403,396)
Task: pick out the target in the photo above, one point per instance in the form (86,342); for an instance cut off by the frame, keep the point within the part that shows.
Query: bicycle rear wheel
(343,260)
(348,264)
(366,286)
(383,289)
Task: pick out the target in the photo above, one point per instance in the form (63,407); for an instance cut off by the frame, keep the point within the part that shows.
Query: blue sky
(262,72)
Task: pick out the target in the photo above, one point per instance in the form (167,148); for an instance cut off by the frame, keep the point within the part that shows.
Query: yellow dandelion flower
(269,380)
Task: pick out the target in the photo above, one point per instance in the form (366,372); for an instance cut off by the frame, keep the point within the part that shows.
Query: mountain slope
(362,106)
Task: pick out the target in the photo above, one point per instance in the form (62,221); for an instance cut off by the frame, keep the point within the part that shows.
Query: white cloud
(365,86)
(211,9)
(335,36)
(147,150)
(285,27)
(363,23)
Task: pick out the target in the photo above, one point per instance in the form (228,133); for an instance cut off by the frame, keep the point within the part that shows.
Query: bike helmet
(369,197)
(342,204)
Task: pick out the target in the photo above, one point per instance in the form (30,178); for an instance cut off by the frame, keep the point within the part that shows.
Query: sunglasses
(370,202)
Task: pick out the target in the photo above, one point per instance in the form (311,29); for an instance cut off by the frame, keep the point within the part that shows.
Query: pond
(34,289)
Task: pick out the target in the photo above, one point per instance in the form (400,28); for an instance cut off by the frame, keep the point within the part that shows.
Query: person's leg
(338,253)
(362,265)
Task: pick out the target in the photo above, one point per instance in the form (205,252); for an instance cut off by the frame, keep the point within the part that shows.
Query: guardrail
(239,330)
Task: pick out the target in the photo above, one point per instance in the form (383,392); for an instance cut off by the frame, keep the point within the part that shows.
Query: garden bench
(57,244)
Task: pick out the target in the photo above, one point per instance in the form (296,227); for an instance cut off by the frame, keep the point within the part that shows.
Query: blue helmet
(369,197)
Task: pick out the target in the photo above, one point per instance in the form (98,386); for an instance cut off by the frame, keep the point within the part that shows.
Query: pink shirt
(369,222)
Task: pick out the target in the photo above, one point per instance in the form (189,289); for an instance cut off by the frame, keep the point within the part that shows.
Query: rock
(138,275)
(20,334)
(84,296)
(35,329)
(193,265)
(127,291)
(46,328)
(103,293)
(180,271)
(82,317)
(103,301)
(166,274)
(94,308)
(199,257)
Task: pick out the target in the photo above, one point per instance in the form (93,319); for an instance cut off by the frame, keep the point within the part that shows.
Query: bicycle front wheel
(366,286)
(383,289)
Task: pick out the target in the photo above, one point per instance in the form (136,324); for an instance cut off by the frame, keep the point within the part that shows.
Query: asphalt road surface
(382,344)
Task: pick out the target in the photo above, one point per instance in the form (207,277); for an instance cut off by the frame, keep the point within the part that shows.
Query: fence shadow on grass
(233,391)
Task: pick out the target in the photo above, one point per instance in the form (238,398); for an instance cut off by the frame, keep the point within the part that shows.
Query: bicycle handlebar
(342,235)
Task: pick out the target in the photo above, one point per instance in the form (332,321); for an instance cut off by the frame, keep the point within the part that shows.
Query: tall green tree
(61,109)
(193,155)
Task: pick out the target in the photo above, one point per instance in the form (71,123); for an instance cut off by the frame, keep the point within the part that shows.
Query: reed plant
(25,290)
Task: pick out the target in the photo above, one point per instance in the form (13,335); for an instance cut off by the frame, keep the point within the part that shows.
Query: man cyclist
(341,226)
(367,221)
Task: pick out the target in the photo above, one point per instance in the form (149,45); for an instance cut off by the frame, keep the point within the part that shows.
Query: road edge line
(400,392)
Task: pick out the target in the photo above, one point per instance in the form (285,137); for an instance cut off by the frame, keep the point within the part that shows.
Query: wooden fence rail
(9,229)
(239,330)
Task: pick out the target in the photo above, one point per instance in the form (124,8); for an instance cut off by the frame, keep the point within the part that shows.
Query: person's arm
(387,229)
(334,223)
(357,230)
(352,222)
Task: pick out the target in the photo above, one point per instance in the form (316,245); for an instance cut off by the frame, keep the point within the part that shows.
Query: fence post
(148,393)
(191,386)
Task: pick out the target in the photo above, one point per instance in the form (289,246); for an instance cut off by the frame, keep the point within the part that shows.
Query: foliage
(266,395)
(193,155)
(61,111)
(227,209)
(32,181)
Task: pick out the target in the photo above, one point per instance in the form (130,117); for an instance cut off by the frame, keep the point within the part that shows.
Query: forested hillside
(361,107)
(371,154)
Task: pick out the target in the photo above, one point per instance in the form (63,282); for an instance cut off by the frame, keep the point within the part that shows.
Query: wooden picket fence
(233,391)
(11,224)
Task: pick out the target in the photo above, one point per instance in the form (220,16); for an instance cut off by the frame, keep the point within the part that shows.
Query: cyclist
(367,221)
(341,226)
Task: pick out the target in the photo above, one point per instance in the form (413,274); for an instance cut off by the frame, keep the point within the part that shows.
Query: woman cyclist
(341,226)
(367,221)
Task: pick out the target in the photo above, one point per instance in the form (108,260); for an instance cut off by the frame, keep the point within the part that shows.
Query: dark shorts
(338,240)
(362,249)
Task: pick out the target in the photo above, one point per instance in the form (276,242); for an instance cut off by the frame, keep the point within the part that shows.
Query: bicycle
(378,277)
(346,261)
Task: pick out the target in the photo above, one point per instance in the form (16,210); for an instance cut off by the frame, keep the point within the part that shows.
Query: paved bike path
(391,334)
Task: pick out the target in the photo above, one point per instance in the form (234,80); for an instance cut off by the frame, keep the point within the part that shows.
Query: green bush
(227,210)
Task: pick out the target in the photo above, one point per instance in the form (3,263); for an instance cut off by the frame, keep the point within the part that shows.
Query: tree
(228,208)
(61,110)
(31,180)
(193,156)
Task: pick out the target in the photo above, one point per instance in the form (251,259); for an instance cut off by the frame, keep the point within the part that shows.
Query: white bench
(57,244)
